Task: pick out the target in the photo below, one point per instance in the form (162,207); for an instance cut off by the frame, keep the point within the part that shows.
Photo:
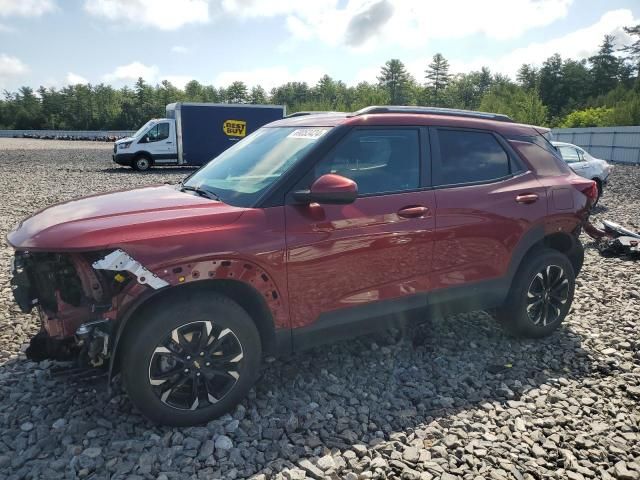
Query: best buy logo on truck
(235,128)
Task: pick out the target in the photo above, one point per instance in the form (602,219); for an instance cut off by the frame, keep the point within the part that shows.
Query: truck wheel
(141,163)
(190,361)
(540,296)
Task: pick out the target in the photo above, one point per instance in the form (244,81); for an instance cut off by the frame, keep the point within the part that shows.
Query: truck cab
(154,143)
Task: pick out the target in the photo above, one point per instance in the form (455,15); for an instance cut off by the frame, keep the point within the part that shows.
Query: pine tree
(633,50)
(605,67)
(528,76)
(437,76)
(396,81)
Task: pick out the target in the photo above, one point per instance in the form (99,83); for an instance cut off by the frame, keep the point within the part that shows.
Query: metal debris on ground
(615,240)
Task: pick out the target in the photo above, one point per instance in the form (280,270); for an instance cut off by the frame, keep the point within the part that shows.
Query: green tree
(551,91)
(258,95)
(528,77)
(522,105)
(194,92)
(590,117)
(437,76)
(605,67)
(467,89)
(396,82)
(237,93)
(633,49)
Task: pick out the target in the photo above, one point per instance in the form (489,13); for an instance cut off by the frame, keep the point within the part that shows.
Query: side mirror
(329,189)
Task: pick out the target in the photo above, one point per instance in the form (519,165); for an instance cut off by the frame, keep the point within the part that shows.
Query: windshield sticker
(308,133)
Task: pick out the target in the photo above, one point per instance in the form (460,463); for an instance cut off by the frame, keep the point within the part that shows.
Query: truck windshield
(239,175)
(143,129)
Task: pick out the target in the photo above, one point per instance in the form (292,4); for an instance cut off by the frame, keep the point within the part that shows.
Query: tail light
(588,187)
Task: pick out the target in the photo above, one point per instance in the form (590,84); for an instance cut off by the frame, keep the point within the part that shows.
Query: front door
(346,263)
(160,142)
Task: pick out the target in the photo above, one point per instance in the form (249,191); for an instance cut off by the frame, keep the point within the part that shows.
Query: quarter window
(468,157)
(379,161)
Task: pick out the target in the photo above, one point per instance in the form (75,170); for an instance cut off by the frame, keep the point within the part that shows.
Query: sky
(59,42)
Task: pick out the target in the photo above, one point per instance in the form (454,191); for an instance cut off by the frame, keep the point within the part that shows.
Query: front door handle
(527,198)
(413,212)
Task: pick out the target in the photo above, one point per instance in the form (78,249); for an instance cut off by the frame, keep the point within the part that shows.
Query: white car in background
(584,164)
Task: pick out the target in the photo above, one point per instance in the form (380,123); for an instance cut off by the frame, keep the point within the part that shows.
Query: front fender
(240,270)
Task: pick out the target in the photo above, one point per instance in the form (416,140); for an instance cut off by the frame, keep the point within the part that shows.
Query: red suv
(311,229)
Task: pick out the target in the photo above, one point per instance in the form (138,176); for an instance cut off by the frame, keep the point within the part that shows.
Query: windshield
(143,129)
(239,175)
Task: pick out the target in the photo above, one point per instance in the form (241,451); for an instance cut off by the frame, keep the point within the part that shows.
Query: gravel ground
(462,400)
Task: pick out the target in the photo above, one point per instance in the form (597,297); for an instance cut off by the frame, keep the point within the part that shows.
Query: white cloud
(162,14)
(75,79)
(270,77)
(178,81)
(25,8)
(581,43)
(179,49)
(131,72)
(11,68)
(409,23)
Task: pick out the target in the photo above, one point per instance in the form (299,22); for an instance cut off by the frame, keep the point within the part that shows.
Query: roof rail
(311,112)
(433,111)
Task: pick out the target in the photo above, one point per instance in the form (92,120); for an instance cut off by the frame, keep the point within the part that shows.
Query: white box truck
(192,133)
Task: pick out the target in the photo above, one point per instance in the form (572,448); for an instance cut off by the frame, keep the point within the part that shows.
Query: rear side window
(469,157)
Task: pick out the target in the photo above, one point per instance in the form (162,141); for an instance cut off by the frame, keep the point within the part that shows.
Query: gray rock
(223,443)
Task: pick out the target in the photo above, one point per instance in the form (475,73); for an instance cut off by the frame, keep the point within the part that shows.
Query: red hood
(103,221)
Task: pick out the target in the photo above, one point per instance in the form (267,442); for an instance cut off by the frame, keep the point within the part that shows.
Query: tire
(141,163)
(542,270)
(161,364)
(576,256)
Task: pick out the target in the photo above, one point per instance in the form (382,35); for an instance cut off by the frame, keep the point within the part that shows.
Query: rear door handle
(527,198)
(413,212)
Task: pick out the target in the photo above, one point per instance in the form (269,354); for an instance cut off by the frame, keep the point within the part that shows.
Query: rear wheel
(189,362)
(141,163)
(540,296)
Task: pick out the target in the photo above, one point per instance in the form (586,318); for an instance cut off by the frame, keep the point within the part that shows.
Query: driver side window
(378,160)
(158,132)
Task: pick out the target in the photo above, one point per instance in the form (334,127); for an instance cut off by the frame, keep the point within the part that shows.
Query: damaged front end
(76,296)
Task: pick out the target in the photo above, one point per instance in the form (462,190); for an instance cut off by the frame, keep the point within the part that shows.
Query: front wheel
(191,361)
(141,164)
(540,296)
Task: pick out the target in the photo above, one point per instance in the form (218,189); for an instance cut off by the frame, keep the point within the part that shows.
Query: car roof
(406,119)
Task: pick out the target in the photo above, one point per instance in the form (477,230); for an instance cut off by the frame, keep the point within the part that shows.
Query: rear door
(486,201)
(348,263)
